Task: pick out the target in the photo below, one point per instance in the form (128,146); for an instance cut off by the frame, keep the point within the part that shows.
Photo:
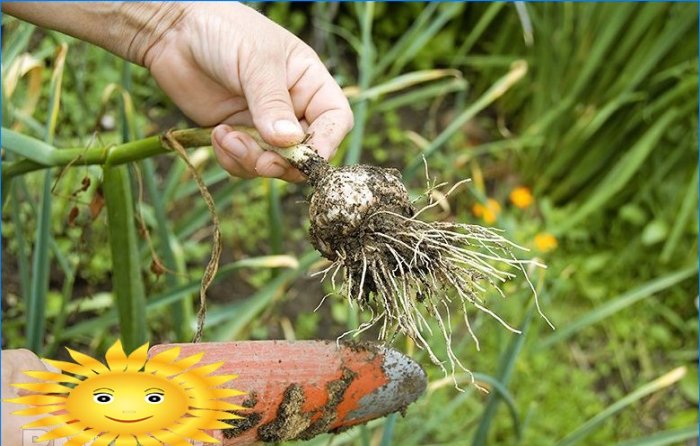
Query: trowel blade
(299,389)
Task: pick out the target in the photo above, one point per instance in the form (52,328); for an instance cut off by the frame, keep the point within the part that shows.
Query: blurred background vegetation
(589,159)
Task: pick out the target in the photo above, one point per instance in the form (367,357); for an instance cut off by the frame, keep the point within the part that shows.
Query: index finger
(318,97)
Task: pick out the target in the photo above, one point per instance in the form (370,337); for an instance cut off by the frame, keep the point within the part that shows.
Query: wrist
(145,25)
(127,29)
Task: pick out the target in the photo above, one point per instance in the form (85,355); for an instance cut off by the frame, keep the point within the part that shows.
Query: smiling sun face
(127,403)
(131,399)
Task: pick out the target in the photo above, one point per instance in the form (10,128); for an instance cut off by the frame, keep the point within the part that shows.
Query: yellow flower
(545,242)
(489,212)
(521,197)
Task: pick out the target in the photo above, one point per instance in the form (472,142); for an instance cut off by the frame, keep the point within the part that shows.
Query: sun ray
(190,429)
(226,393)
(38,400)
(222,405)
(205,399)
(70,367)
(147,440)
(170,438)
(51,376)
(206,369)
(216,424)
(66,430)
(115,357)
(215,414)
(162,369)
(194,378)
(125,440)
(117,360)
(39,410)
(88,362)
(137,358)
(82,438)
(217,380)
(165,357)
(189,361)
(105,439)
(51,421)
(43,387)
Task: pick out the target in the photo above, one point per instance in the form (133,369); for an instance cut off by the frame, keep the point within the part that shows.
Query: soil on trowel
(249,420)
(292,423)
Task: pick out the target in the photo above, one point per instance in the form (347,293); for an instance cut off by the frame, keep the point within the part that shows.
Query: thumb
(272,111)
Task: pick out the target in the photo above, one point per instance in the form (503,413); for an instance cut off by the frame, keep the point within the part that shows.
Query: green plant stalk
(233,318)
(168,297)
(181,311)
(62,260)
(16,44)
(172,180)
(476,32)
(446,12)
(60,321)
(114,155)
(505,370)
(406,39)
(49,156)
(438,417)
(622,172)
(414,96)
(367,60)
(183,190)
(672,436)
(498,89)
(681,221)
(615,304)
(500,389)
(388,434)
(275,219)
(405,82)
(591,425)
(127,283)
(36,304)
(197,216)
(22,261)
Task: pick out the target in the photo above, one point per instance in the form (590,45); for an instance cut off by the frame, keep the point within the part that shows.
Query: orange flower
(521,197)
(545,242)
(489,212)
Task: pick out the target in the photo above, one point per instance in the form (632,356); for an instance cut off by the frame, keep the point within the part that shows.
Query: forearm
(126,29)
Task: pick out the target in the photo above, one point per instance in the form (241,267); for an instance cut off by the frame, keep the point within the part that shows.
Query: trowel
(295,390)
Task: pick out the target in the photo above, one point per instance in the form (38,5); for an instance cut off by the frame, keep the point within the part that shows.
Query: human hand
(14,363)
(227,64)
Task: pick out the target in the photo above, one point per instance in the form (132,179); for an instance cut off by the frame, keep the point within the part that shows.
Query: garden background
(577,124)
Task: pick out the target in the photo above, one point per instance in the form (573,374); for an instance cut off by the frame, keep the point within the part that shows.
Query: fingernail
(288,128)
(231,144)
(220,132)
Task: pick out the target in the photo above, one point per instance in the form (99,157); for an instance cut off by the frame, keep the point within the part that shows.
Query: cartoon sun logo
(132,400)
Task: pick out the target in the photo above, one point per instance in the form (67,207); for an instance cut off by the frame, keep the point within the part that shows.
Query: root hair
(423,269)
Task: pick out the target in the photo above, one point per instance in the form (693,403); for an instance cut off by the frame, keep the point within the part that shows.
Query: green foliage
(601,127)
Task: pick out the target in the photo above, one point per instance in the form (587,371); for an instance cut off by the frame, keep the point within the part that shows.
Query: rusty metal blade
(300,389)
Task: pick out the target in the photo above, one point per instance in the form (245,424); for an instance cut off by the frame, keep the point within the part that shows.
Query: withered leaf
(97,203)
(73,215)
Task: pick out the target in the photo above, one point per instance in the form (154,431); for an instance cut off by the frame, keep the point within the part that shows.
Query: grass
(596,115)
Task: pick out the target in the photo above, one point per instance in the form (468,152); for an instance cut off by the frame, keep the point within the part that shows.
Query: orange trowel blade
(299,389)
